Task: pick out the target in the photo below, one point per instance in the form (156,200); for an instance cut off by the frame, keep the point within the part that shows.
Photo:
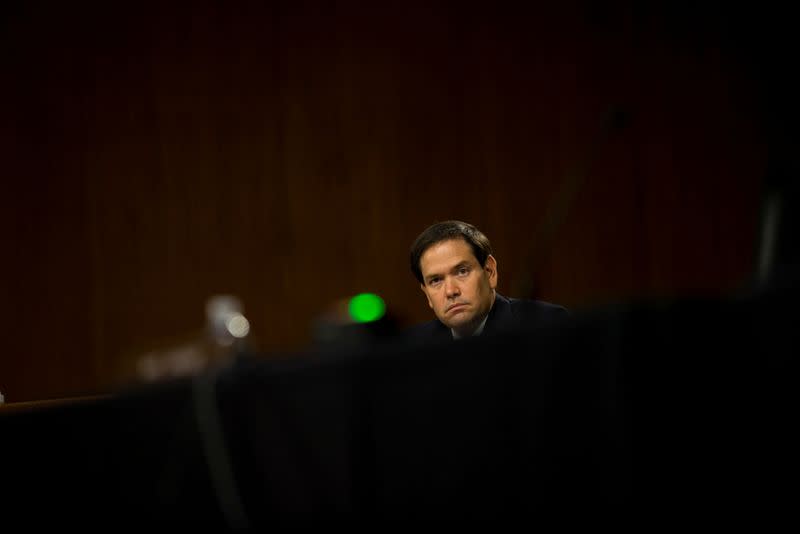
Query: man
(453,263)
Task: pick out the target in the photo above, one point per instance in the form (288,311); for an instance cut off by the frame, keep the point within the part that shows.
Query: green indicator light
(366,307)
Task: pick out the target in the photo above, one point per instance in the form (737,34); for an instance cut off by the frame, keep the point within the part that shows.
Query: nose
(451,288)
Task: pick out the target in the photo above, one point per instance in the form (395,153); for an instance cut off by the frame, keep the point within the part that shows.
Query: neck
(472,328)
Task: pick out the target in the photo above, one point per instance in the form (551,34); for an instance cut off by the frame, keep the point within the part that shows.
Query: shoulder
(538,307)
(529,312)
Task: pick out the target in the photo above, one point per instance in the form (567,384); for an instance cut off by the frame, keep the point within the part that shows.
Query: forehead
(445,255)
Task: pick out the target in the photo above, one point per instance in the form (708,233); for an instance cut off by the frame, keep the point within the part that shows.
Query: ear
(491,271)
(424,290)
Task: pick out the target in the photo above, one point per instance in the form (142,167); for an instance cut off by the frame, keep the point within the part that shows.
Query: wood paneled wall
(155,154)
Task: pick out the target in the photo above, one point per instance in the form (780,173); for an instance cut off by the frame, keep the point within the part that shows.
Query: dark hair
(444,231)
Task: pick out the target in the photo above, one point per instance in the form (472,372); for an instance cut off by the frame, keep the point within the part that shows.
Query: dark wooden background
(155,154)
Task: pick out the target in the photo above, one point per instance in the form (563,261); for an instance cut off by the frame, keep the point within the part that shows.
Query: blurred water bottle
(224,337)
(226,326)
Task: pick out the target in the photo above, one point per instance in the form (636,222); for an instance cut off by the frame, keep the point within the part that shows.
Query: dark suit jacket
(506,314)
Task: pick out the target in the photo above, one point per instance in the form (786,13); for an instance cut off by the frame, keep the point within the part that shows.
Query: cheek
(476,288)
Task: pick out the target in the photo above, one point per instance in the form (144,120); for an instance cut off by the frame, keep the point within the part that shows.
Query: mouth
(456,307)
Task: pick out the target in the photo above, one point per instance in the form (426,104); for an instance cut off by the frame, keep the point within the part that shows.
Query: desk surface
(10,407)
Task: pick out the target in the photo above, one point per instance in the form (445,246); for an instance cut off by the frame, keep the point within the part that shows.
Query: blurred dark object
(680,410)
(779,237)
(339,328)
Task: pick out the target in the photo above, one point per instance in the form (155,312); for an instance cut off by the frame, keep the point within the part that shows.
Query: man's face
(460,291)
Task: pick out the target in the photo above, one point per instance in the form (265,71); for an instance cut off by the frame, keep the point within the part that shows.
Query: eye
(463,271)
(434,281)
